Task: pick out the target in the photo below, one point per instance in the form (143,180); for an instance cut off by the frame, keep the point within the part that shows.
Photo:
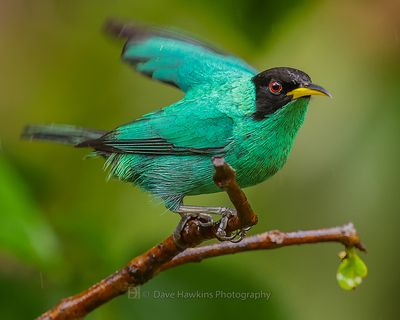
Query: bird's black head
(276,87)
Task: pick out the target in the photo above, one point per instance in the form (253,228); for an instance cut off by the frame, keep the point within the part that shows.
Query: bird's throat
(281,128)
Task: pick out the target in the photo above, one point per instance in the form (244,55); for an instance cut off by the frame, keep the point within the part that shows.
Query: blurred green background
(62,227)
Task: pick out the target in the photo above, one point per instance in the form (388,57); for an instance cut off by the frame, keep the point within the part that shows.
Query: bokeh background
(63,227)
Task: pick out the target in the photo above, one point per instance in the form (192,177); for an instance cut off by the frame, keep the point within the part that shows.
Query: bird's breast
(262,147)
(256,160)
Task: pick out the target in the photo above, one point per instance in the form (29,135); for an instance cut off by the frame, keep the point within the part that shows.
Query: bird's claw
(221,236)
(226,214)
(240,234)
(237,236)
(204,220)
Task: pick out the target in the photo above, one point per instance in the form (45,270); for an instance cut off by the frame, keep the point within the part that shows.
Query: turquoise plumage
(229,109)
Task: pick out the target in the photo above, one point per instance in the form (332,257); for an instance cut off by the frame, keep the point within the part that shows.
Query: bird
(229,109)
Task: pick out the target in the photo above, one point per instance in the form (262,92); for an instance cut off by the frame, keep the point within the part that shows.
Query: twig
(169,254)
(345,234)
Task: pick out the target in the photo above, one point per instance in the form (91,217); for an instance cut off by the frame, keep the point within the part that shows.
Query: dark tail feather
(60,133)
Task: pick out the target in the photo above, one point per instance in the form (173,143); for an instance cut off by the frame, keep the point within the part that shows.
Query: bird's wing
(176,130)
(175,59)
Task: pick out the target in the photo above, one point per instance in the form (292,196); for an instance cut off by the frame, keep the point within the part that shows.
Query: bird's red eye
(275,87)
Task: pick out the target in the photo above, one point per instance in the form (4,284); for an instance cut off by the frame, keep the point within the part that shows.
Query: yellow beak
(309,90)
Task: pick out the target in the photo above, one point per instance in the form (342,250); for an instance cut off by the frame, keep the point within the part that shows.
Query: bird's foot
(226,214)
(204,219)
(239,235)
(236,236)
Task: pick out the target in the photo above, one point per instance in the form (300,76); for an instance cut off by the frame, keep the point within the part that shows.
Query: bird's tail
(60,133)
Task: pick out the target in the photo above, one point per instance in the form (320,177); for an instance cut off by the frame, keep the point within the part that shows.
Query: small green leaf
(351,270)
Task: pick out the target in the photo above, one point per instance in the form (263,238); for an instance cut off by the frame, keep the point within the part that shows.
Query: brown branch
(169,254)
(346,234)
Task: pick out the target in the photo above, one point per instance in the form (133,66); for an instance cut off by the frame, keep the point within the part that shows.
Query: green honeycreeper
(229,109)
